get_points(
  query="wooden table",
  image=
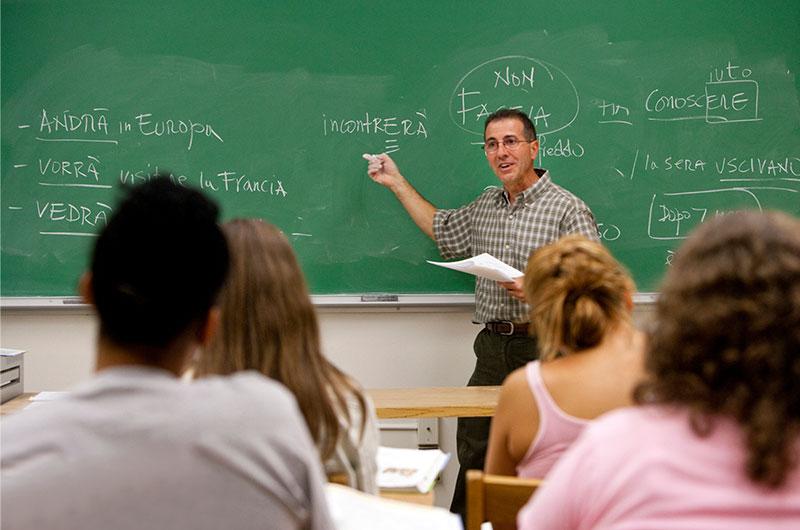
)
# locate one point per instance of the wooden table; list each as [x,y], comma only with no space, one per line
[435,402]
[427,402]
[15,404]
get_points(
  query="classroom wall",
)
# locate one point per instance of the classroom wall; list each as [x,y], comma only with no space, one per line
[382,348]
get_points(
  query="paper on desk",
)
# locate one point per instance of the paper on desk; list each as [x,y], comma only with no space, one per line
[49,396]
[353,510]
[484,265]
[412,469]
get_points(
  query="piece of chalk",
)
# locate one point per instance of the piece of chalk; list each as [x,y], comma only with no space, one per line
[367,156]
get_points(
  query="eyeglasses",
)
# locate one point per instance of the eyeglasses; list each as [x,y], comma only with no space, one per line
[509,142]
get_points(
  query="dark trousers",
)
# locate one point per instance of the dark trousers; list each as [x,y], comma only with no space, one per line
[496,357]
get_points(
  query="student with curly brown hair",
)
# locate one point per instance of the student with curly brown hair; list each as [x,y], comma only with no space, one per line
[268,324]
[714,442]
[591,357]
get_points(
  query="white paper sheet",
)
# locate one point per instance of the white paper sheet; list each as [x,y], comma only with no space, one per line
[484,265]
[401,468]
[49,396]
[353,510]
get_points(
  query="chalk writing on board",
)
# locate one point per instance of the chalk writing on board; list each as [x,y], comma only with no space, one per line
[227,180]
[145,125]
[632,172]
[60,213]
[94,126]
[67,121]
[608,231]
[561,148]
[729,96]
[90,215]
[737,169]
[539,89]
[613,113]
[389,127]
[673,215]
[79,169]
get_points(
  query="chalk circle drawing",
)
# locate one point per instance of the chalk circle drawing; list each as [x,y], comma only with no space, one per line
[537,88]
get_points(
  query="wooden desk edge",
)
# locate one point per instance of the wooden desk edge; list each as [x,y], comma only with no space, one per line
[435,402]
[426,499]
[16,403]
[405,406]
[388,413]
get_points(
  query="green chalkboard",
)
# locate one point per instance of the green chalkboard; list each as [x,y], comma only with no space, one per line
[657,114]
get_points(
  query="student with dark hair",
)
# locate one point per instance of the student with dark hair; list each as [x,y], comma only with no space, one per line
[714,442]
[526,211]
[269,324]
[135,447]
[590,357]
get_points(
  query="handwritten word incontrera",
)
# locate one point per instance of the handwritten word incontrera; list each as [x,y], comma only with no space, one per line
[386,125]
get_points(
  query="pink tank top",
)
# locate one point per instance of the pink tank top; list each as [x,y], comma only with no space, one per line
[557,429]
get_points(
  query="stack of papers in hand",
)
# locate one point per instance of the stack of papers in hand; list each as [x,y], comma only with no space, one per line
[409,469]
[484,265]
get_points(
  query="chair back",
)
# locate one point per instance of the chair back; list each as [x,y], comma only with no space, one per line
[338,478]
[497,499]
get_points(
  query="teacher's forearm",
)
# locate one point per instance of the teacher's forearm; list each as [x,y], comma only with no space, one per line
[419,209]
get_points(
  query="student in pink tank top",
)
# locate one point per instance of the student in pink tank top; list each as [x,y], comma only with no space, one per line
[715,442]
[591,357]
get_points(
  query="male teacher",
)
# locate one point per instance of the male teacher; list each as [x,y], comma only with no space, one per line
[529,211]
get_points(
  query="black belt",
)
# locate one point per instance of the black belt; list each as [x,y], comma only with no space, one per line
[504,327]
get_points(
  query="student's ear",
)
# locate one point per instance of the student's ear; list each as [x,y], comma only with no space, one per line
[85,288]
[208,328]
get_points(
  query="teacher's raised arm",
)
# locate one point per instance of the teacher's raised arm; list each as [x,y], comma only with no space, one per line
[526,211]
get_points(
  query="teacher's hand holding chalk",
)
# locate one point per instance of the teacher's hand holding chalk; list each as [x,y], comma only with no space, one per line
[383,170]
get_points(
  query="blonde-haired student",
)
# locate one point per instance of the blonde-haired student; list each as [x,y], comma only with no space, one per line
[590,361]
[269,324]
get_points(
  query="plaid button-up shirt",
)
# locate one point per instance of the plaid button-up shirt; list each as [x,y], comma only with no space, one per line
[540,215]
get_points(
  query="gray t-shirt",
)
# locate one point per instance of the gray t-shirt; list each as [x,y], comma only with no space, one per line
[137,448]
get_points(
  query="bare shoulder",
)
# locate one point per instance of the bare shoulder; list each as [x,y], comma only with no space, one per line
[515,394]
[515,383]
